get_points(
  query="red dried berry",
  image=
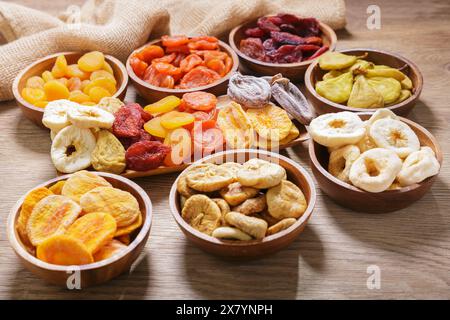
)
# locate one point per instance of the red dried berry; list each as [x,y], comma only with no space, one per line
[287,18]
[127,122]
[287,54]
[267,25]
[143,136]
[254,32]
[253,48]
[308,27]
[286,38]
[269,45]
[314,40]
[288,28]
[146,155]
[144,115]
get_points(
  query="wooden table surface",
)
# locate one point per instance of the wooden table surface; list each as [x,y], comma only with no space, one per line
[330,259]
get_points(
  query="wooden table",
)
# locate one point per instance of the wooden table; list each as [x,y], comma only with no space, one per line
[330,259]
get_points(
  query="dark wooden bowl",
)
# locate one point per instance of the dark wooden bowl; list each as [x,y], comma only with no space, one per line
[93,273]
[293,71]
[359,200]
[153,93]
[323,105]
[35,113]
[253,248]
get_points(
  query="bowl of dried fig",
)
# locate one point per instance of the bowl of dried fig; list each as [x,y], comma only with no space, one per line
[282,43]
[243,203]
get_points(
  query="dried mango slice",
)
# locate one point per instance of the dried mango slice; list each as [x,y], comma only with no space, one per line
[30,201]
[57,187]
[118,203]
[270,122]
[94,230]
[109,250]
[51,216]
[80,183]
[236,126]
[125,239]
[130,228]
[63,250]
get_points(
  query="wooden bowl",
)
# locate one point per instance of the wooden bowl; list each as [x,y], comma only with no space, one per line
[293,71]
[323,105]
[35,113]
[359,200]
[153,93]
[253,248]
[93,273]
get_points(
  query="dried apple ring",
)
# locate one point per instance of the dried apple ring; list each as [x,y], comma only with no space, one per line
[63,250]
[341,161]
[94,230]
[51,216]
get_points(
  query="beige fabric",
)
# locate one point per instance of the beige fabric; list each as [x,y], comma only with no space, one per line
[117,27]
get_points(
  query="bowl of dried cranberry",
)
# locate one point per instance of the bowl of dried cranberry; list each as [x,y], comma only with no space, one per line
[175,65]
[282,43]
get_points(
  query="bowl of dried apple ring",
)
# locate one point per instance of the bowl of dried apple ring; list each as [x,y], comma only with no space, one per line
[80,229]
[360,80]
[373,162]
[243,203]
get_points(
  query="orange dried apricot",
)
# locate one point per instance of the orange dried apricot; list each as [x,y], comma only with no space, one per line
[176,119]
[60,67]
[102,74]
[57,187]
[190,62]
[74,83]
[79,97]
[107,67]
[33,95]
[197,77]
[35,82]
[47,76]
[130,228]
[91,61]
[105,83]
[98,93]
[30,201]
[51,216]
[166,68]
[94,230]
[166,104]
[41,104]
[148,53]
[199,100]
[218,66]
[63,250]
[55,90]
[109,250]
[81,182]
[174,41]
[139,67]
[74,71]
[155,128]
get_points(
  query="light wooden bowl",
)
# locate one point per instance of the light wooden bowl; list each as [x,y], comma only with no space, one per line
[35,113]
[292,71]
[153,93]
[253,248]
[93,273]
[359,200]
[323,105]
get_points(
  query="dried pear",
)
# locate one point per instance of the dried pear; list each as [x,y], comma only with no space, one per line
[406,83]
[336,89]
[118,203]
[360,66]
[335,60]
[109,153]
[385,73]
[202,213]
[389,88]
[231,233]
[332,74]
[81,182]
[404,94]
[364,96]
[94,230]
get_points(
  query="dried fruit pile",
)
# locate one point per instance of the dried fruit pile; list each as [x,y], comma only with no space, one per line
[359,83]
[86,82]
[382,153]
[239,201]
[284,38]
[182,62]
[78,221]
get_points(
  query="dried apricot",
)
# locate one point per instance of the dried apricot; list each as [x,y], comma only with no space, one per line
[55,90]
[130,228]
[74,83]
[31,199]
[148,53]
[35,82]
[47,76]
[101,74]
[146,155]
[41,104]
[63,250]
[138,66]
[218,66]
[57,187]
[110,249]
[125,239]
[176,119]
[94,230]
[98,93]
[74,71]
[166,104]
[33,95]
[200,100]
[155,128]
[190,62]
[107,67]
[166,68]
[202,45]
[168,58]
[174,41]
[60,68]
[197,77]
[51,216]
[81,182]
[91,61]
[181,147]
[79,97]
[118,203]
[103,82]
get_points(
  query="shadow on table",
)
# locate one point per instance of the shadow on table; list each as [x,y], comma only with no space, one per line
[31,136]
[272,277]
[132,285]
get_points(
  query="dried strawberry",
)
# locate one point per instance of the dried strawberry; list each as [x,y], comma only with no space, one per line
[287,18]
[127,122]
[310,48]
[286,38]
[146,155]
[314,40]
[269,45]
[254,32]
[288,28]
[267,25]
[286,54]
[143,136]
[253,48]
[308,27]
[144,115]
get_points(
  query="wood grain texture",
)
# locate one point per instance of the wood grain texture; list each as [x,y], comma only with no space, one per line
[330,258]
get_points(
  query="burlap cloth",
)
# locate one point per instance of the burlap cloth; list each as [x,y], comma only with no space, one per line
[117,27]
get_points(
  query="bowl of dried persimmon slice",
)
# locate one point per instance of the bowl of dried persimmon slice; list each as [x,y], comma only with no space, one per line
[243,203]
[81,229]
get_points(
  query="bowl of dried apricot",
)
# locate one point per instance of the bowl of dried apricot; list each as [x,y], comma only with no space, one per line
[80,229]
[243,203]
[80,77]
[282,43]
[174,65]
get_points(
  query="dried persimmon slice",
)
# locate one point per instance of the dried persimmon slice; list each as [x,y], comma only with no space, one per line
[128,229]
[57,187]
[109,250]
[94,230]
[64,250]
[51,216]
[81,182]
